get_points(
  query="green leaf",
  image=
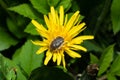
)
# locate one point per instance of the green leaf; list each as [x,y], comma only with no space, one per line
[16,27]
[115,15]
[117,73]
[70,15]
[51,73]
[6,40]
[31,29]
[41,6]
[92,46]
[27,58]
[111,77]
[93,59]
[65,3]
[106,59]
[10,70]
[75,6]
[24,9]
[115,67]
[53,2]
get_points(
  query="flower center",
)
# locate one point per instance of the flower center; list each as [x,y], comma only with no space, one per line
[56,43]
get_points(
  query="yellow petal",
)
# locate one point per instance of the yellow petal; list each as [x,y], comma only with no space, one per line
[53,14]
[77,20]
[66,18]
[72,54]
[38,26]
[71,21]
[57,18]
[86,37]
[80,39]
[58,58]
[78,47]
[54,57]
[43,33]
[74,41]
[52,26]
[48,57]
[75,30]
[61,15]
[42,49]
[40,43]
[50,19]
[47,21]
[63,60]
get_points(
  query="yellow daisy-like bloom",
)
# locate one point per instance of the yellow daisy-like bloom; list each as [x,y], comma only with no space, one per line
[60,36]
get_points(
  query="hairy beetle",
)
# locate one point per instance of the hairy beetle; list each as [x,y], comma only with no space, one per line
[56,43]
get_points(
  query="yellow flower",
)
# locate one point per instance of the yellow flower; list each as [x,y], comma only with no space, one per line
[60,36]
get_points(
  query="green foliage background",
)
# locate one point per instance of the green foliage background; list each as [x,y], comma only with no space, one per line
[18,60]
